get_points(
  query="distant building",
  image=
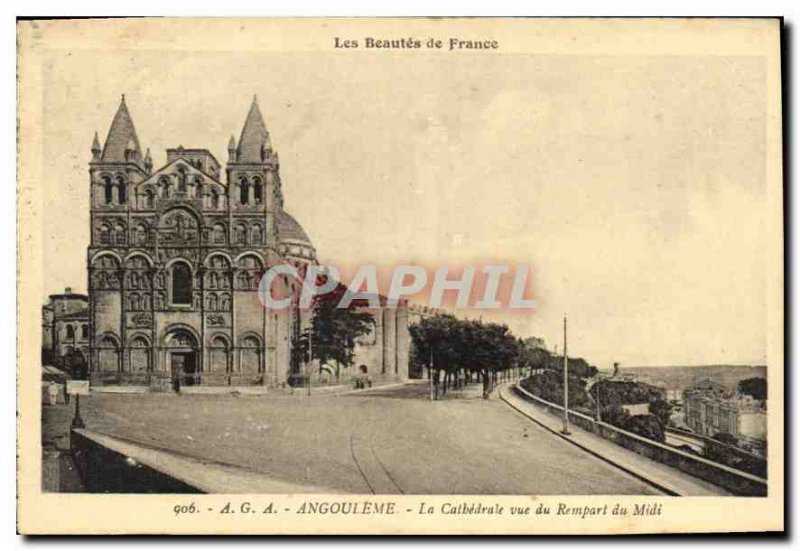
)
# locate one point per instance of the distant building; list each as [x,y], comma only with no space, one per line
[668,394]
[711,409]
[674,394]
[709,415]
[65,330]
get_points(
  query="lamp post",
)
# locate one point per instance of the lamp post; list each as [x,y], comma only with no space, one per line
[565,429]
[77,422]
[77,388]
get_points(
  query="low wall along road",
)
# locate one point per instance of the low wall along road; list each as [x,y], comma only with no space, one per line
[738,482]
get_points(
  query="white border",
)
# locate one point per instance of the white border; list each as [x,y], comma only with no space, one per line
[11,9]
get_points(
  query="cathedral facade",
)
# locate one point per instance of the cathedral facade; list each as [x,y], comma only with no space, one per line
[175,261]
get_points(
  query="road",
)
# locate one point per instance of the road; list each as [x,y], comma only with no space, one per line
[382,441]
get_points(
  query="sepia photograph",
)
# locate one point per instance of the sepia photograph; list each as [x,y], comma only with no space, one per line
[400,276]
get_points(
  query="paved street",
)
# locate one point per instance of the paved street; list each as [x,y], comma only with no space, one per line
[390,440]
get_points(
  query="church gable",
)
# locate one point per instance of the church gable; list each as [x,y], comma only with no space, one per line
[180,171]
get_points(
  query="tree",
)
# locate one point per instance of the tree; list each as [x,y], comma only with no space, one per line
[489,348]
[334,330]
[301,351]
[755,387]
[726,438]
[434,346]
[533,358]
[661,409]
[646,426]
[613,414]
[456,347]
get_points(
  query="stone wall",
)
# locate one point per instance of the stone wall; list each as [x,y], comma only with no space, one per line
[738,482]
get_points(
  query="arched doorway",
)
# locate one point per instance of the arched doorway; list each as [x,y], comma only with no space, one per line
[182,356]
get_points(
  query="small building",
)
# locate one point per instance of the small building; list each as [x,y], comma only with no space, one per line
[65,330]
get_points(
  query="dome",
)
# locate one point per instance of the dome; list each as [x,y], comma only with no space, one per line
[290,229]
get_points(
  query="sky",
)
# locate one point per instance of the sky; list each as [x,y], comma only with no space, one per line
[634,186]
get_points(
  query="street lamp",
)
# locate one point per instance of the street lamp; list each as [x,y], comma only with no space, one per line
[565,429]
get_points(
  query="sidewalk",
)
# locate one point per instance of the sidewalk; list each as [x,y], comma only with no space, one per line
[666,479]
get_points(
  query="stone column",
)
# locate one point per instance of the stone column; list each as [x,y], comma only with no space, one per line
[403,342]
[389,341]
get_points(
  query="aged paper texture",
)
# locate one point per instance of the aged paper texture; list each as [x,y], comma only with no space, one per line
[342,276]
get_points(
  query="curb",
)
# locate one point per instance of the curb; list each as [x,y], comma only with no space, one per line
[378,387]
[657,485]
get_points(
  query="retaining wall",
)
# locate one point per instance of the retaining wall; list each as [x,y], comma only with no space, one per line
[736,481]
[104,470]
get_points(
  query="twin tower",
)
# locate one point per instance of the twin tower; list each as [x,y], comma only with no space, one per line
[175,261]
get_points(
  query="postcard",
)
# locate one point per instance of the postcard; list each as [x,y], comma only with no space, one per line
[400,276]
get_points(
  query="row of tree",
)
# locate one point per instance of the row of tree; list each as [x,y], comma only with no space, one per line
[457,351]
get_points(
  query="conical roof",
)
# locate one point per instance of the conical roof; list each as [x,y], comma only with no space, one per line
[121,135]
[254,137]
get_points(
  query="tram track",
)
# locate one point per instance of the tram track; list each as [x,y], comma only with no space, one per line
[374,472]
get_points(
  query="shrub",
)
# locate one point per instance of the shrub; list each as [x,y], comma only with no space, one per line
[647,426]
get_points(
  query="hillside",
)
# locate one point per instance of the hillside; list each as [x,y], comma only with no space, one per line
[685,376]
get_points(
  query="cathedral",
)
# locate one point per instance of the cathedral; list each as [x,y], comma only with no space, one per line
[175,261]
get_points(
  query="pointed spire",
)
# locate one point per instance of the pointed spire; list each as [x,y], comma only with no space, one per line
[232,150]
[255,138]
[96,148]
[121,137]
